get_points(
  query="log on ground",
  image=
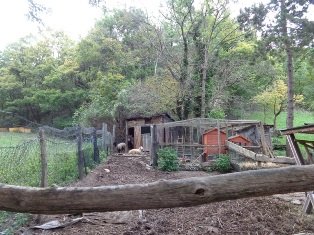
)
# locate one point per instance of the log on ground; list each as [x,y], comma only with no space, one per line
[160,194]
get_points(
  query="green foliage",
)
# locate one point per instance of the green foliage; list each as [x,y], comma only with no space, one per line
[217,114]
[128,66]
[11,222]
[222,164]
[167,159]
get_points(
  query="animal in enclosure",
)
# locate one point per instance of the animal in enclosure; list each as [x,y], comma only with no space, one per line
[120,147]
[139,151]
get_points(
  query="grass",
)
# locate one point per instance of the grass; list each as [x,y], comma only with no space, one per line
[300,118]
[8,139]
[10,222]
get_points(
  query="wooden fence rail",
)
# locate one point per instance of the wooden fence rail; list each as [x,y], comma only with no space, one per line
[258,157]
[161,194]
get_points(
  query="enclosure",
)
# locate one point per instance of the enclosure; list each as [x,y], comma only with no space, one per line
[191,138]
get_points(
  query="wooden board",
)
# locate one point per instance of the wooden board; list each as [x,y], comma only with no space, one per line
[258,157]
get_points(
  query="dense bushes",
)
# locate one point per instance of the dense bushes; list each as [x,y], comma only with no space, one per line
[167,159]
[223,164]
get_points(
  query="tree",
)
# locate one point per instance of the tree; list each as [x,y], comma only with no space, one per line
[288,28]
[175,49]
[275,99]
[40,74]
[214,31]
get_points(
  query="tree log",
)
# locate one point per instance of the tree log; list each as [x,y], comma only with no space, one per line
[160,194]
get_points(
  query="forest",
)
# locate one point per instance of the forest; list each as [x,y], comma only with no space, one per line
[196,60]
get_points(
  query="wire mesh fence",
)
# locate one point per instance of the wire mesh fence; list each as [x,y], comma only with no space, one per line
[21,164]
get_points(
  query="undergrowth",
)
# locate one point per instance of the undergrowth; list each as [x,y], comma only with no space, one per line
[167,159]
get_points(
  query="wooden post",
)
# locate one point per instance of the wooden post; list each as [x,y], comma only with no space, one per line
[153,151]
[219,142]
[113,139]
[263,140]
[295,150]
[43,154]
[96,150]
[80,152]
[166,135]
[126,137]
[191,142]
[104,138]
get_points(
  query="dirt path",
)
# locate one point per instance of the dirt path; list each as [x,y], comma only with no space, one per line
[263,215]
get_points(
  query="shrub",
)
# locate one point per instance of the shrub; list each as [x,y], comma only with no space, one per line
[167,159]
[222,164]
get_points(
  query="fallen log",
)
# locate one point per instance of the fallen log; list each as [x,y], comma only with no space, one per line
[160,194]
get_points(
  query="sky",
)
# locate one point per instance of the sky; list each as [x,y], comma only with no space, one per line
[74,17]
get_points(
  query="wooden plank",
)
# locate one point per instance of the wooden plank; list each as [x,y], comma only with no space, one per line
[258,157]
[137,137]
[309,129]
[104,138]
[295,150]
[113,139]
[263,140]
[308,204]
[154,146]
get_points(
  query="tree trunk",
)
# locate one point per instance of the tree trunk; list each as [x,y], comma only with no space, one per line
[290,104]
[204,75]
[161,194]
[290,101]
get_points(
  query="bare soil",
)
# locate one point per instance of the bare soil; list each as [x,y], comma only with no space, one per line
[278,214]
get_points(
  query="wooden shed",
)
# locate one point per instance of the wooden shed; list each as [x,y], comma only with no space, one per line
[138,129]
[239,140]
[214,142]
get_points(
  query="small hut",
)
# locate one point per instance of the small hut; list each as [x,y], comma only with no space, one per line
[138,129]
[239,140]
[214,142]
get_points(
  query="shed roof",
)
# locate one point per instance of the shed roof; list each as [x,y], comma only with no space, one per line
[214,129]
[208,122]
[238,136]
[166,115]
[307,129]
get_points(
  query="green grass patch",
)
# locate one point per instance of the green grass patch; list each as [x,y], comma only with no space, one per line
[13,139]
[300,118]
[10,222]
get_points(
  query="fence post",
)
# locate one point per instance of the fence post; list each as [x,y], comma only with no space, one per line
[43,154]
[104,138]
[153,152]
[80,152]
[113,138]
[96,150]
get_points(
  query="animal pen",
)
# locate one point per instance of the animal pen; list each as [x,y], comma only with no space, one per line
[295,142]
[200,139]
